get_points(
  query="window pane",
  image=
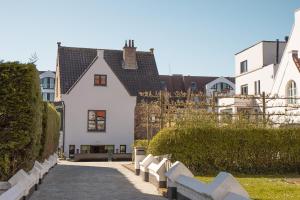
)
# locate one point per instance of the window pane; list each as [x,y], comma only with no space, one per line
[101,125]
[122,148]
[103,80]
[92,115]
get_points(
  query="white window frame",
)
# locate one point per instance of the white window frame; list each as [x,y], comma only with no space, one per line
[242,89]
[291,92]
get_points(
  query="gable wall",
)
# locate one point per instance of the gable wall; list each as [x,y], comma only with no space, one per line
[113,98]
[287,69]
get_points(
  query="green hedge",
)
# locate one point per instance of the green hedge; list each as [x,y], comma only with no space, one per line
[20,117]
[141,143]
[243,150]
[50,133]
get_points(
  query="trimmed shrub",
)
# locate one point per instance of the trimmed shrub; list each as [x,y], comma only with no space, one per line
[141,143]
[20,117]
[243,150]
[50,133]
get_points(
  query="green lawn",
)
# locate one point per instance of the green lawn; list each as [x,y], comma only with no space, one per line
[266,187]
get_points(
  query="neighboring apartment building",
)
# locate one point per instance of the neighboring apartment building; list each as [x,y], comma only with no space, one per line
[99,89]
[205,85]
[256,67]
[47,79]
[255,71]
[272,67]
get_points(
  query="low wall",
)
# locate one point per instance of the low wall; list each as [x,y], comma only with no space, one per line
[22,184]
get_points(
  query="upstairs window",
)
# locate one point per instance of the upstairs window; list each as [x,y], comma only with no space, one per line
[221,87]
[291,91]
[48,83]
[244,66]
[97,120]
[244,89]
[100,80]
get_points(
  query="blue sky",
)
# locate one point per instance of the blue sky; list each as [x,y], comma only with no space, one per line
[196,37]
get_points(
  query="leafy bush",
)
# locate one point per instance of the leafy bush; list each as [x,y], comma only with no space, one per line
[20,117]
[141,143]
[244,150]
[50,133]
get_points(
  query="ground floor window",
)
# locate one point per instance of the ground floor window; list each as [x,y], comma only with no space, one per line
[84,149]
[122,148]
[97,148]
[291,92]
[244,89]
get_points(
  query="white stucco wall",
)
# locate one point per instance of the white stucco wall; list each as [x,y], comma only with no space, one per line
[254,57]
[287,69]
[113,98]
[259,55]
[264,74]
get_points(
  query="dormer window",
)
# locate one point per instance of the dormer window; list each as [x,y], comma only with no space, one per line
[100,80]
[193,86]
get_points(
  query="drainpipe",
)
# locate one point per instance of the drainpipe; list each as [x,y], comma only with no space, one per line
[277,51]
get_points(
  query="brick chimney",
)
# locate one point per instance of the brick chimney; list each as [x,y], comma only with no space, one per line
[129,55]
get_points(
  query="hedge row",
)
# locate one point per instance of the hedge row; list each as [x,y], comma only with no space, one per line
[50,133]
[250,151]
[21,117]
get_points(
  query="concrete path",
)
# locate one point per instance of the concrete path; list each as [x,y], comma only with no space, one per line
[94,181]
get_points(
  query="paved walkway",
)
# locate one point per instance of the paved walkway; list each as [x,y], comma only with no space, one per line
[94,181]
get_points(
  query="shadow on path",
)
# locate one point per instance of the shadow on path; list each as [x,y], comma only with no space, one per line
[71,182]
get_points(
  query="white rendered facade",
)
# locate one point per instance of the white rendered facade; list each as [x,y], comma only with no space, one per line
[261,67]
[113,98]
[288,76]
[279,80]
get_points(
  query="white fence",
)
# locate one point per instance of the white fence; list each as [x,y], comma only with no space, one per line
[22,184]
[182,185]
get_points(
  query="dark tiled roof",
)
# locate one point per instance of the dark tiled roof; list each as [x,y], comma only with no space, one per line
[145,78]
[74,61]
[183,83]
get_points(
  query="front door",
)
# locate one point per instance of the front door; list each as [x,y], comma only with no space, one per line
[98,149]
[71,151]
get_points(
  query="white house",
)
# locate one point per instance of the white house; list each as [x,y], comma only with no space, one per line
[287,80]
[256,67]
[273,68]
[47,79]
[99,88]
[255,70]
